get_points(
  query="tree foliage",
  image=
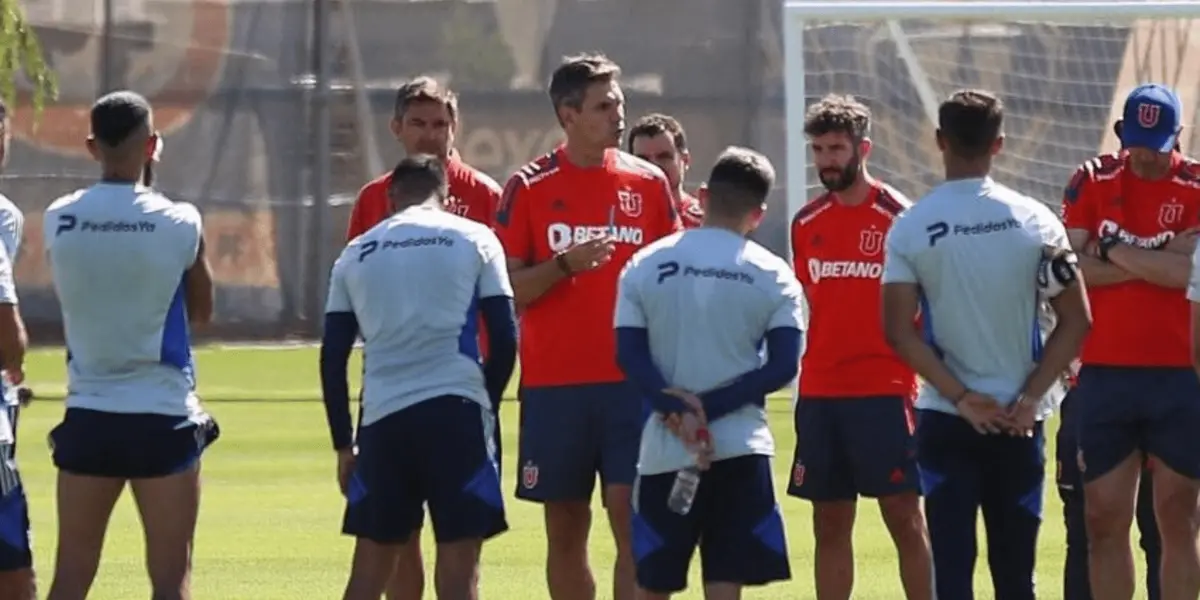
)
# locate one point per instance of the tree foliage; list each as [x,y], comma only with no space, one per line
[21,53]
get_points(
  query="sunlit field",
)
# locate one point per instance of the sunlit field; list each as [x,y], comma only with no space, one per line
[269,527]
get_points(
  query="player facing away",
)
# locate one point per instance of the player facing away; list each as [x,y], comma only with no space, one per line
[1133,215]
[16,551]
[968,258]
[425,121]
[12,228]
[413,286]
[569,221]
[661,140]
[854,422]
[1076,584]
[131,276]
[692,314]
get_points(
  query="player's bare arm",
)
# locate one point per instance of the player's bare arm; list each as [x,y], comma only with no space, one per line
[1098,272]
[1074,320]
[1167,269]
[198,288]
[13,340]
[901,306]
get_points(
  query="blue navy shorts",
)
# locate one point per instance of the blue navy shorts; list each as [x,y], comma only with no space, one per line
[437,452]
[734,520]
[847,447]
[570,433]
[16,546]
[1122,410]
[129,445]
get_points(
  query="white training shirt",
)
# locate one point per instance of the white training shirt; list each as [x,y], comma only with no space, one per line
[118,253]
[974,247]
[8,295]
[414,283]
[707,297]
[1193,289]
[12,227]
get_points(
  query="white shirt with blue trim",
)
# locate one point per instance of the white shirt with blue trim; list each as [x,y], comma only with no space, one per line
[118,254]
[974,248]
[414,283]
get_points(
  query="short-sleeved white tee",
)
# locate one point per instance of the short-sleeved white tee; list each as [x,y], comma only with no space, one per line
[414,283]
[974,247]
[707,297]
[119,253]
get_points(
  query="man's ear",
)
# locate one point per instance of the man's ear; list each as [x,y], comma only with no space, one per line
[394,125]
[92,149]
[685,158]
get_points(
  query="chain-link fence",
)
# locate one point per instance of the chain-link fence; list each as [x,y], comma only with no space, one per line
[234,84]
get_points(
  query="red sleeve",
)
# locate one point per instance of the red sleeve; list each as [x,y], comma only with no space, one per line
[1079,204]
[670,221]
[357,224]
[489,193]
[512,220]
[799,256]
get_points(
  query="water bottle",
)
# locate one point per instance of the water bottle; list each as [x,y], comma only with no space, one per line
[687,480]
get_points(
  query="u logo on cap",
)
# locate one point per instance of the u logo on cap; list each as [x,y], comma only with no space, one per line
[1148,114]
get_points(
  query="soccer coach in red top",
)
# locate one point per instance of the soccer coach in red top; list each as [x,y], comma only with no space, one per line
[569,221]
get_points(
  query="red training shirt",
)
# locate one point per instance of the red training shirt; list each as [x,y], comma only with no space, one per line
[473,195]
[691,214]
[549,205]
[838,254]
[1136,323]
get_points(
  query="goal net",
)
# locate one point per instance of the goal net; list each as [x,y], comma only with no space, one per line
[1063,74]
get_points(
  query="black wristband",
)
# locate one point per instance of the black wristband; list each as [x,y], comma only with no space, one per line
[561,260]
[1105,244]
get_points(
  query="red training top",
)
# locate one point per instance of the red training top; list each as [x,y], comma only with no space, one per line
[473,195]
[549,205]
[690,211]
[838,254]
[1136,323]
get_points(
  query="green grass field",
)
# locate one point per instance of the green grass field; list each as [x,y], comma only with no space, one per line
[271,513]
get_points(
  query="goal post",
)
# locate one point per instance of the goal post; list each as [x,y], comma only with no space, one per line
[1062,67]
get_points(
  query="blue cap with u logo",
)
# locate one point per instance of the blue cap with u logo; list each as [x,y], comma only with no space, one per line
[1152,118]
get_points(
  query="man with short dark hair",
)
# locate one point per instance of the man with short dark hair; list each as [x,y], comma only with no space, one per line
[569,220]
[131,276]
[660,139]
[977,261]
[854,422]
[1133,215]
[679,298]
[425,120]
[410,285]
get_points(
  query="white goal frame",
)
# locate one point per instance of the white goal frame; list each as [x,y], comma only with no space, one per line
[797,13]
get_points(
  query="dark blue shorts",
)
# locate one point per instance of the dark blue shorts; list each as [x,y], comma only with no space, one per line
[847,447]
[570,433]
[437,452]
[1122,410]
[734,520]
[129,445]
[16,545]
